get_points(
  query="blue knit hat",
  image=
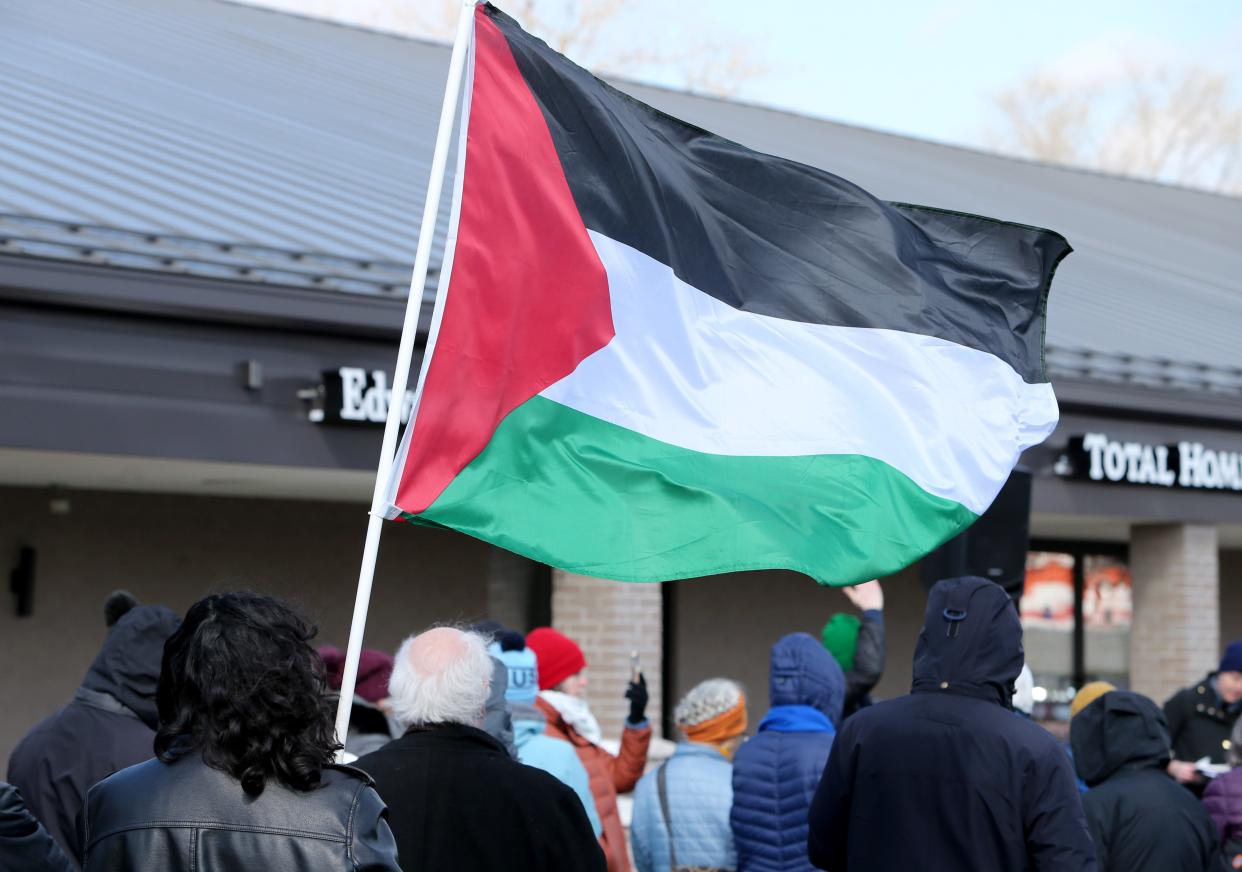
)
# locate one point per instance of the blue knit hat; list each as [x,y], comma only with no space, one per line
[510,649]
[1232,661]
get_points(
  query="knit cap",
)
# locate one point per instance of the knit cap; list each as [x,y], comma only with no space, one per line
[713,712]
[510,649]
[559,656]
[1232,661]
[374,670]
[1091,691]
[840,637]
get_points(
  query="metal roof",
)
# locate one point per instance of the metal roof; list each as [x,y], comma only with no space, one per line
[210,138]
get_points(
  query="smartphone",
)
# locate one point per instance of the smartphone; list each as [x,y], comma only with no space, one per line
[636,671]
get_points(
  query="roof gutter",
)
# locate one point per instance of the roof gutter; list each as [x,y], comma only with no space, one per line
[51,282]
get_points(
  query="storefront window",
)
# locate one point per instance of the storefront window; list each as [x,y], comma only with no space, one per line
[1076,609]
[1106,611]
[1048,630]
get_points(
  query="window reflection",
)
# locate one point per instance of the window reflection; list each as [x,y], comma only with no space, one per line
[1047,611]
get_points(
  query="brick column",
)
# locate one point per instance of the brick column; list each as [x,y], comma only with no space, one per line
[1175,636]
[609,619]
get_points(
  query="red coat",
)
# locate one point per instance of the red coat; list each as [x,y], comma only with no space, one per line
[608,775]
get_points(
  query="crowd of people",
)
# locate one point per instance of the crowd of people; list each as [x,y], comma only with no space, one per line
[208,742]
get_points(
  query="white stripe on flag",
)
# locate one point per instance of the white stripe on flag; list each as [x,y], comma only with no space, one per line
[687,369]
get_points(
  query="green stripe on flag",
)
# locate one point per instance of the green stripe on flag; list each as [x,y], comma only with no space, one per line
[587,496]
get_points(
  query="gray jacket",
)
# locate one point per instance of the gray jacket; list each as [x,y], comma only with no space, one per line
[187,816]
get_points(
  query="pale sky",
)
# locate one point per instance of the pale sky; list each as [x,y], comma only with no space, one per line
[927,69]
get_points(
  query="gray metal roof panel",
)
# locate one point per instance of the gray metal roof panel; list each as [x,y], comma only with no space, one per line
[285,137]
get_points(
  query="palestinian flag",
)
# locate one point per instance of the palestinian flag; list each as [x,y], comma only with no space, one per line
[660,354]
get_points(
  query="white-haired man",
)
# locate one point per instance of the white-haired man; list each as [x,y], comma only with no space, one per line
[456,799]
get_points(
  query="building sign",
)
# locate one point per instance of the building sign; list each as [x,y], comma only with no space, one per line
[1095,457]
[353,395]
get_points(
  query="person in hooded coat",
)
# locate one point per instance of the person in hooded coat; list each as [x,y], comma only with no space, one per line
[1140,818]
[775,773]
[947,777]
[109,725]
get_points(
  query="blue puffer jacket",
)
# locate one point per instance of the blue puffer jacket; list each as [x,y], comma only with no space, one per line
[775,773]
[700,791]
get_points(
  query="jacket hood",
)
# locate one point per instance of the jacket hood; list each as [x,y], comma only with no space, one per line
[803,673]
[971,642]
[496,720]
[1119,731]
[128,665]
[525,730]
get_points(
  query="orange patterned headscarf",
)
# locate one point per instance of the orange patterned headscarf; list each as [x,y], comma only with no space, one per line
[721,728]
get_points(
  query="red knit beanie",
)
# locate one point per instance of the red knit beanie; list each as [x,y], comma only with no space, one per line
[559,656]
[374,669]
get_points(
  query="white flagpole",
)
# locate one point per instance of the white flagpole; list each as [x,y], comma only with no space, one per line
[405,354]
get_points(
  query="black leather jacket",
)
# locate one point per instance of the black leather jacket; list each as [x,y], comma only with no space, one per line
[188,816]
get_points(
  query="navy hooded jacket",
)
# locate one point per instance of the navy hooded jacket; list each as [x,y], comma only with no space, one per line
[109,725]
[1140,817]
[947,777]
[775,773]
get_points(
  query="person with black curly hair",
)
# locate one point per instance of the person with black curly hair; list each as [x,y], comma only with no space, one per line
[243,776]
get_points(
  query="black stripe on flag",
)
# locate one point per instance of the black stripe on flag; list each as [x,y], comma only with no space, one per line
[778,238]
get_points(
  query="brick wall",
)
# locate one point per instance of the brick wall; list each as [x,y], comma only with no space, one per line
[609,619]
[1175,637]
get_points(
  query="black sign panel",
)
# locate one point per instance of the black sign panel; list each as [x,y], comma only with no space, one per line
[1186,465]
[353,395]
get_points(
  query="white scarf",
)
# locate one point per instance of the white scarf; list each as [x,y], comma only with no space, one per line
[576,713]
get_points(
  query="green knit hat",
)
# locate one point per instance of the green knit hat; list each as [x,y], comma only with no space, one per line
[840,636]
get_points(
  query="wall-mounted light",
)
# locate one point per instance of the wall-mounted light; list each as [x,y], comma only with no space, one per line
[21,582]
[59,503]
[252,375]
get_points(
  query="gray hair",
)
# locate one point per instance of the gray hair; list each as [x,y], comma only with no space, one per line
[448,690]
[707,700]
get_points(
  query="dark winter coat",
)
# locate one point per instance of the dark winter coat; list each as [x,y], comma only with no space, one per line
[947,777]
[868,663]
[1199,724]
[775,773]
[457,800]
[1140,818]
[1223,801]
[110,724]
[24,845]
[188,817]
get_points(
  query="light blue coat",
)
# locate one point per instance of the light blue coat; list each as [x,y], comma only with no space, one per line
[700,792]
[556,757]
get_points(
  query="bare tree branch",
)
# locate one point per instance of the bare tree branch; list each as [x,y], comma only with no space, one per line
[1152,121]
[610,37]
